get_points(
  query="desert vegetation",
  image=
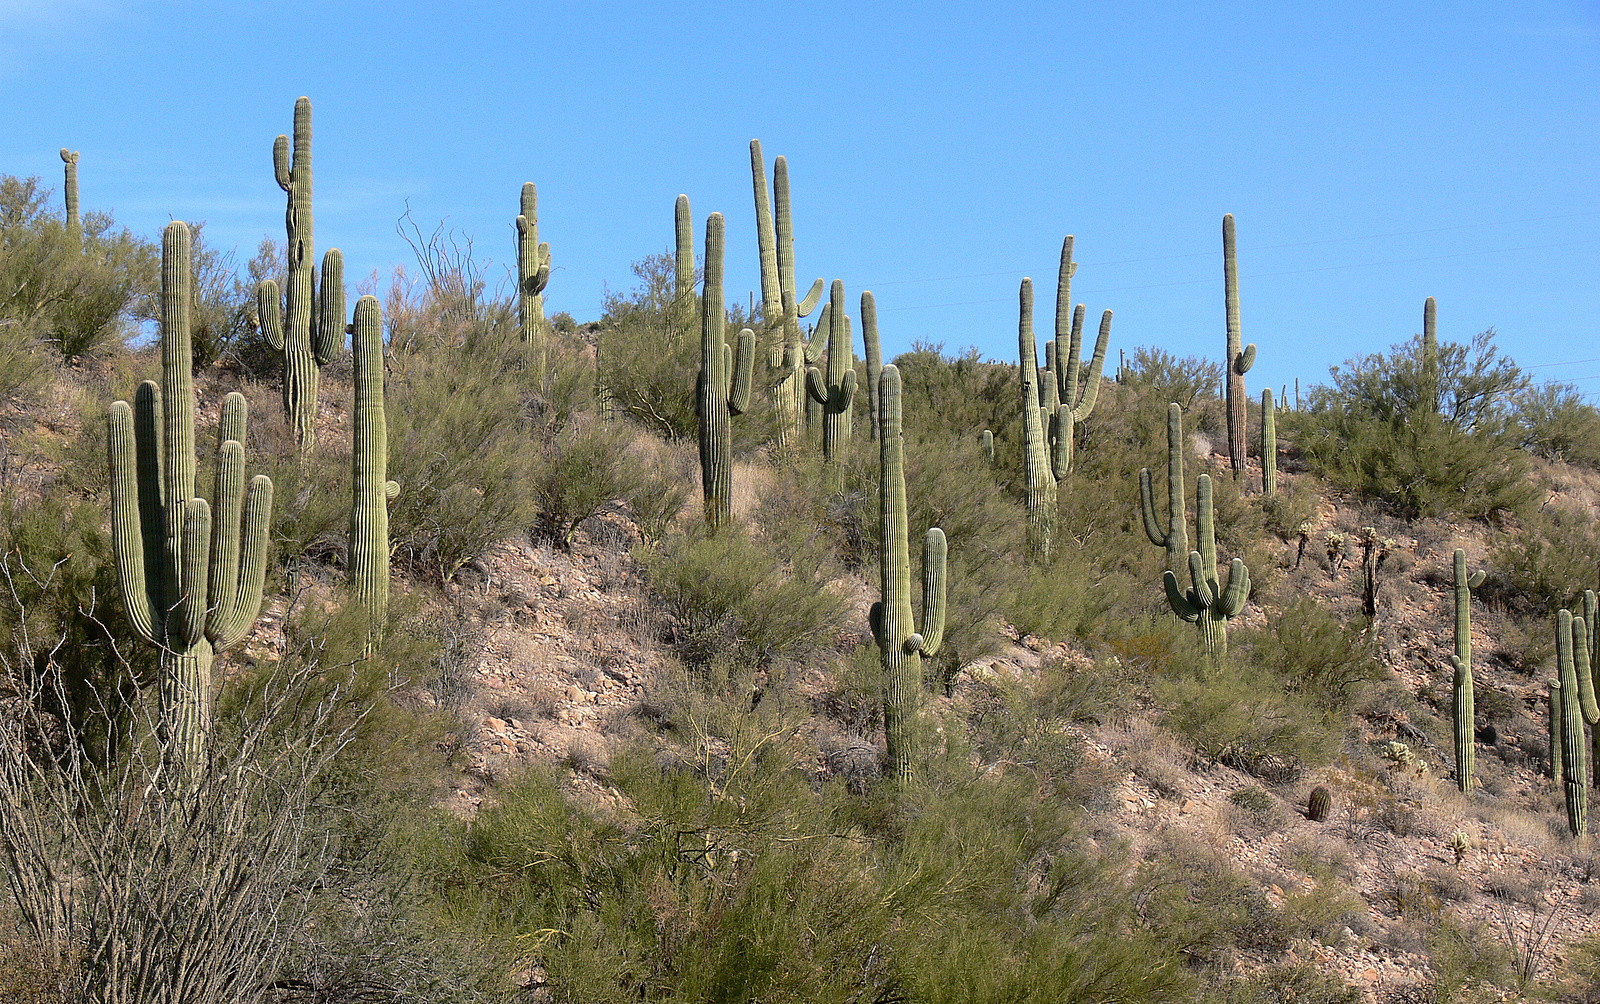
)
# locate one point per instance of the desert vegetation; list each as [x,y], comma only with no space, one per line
[433,649]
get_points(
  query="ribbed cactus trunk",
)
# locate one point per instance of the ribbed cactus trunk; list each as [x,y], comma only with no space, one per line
[1077,384]
[1461,661]
[1553,722]
[533,275]
[191,583]
[1430,355]
[788,352]
[1209,603]
[835,394]
[874,354]
[1172,535]
[69,161]
[723,388]
[1039,479]
[683,259]
[1238,360]
[900,644]
[1574,767]
[1269,444]
[371,489]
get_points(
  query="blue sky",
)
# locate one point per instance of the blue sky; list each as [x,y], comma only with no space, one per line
[1373,154]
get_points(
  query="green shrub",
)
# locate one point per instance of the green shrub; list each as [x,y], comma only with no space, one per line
[1554,421]
[1312,652]
[584,470]
[1548,560]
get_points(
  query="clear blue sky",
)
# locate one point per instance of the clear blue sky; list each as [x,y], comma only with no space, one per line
[1373,153]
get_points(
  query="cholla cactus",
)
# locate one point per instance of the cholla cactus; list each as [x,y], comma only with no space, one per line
[1460,843]
[1337,556]
[1374,551]
[1399,755]
[1303,537]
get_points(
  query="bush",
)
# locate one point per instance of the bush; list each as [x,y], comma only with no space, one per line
[1161,376]
[583,471]
[1547,561]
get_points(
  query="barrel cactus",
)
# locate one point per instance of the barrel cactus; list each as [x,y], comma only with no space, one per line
[1320,804]
[190,570]
[901,644]
[723,388]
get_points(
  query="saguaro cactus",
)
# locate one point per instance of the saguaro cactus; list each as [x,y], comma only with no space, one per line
[781,305]
[1037,470]
[986,446]
[901,645]
[874,351]
[1269,444]
[723,388]
[1553,721]
[1238,361]
[1073,403]
[1574,766]
[1430,355]
[835,393]
[683,231]
[191,583]
[1175,538]
[1461,661]
[306,340]
[69,161]
[371,491]
[1209,603]
[533,275]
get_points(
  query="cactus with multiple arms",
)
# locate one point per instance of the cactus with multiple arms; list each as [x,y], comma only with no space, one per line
[1269,444]
[1175,538]
[1209,603]
[1461,661]
[371,491]
[307,338]
[69,161]
[1073,403]
[723,388]
[1238,360]
[835,393]
[533,275]
[191,575]
[900,644]
[781,305]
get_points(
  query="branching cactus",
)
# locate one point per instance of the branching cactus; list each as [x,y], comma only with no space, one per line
[900,643]
[1174,537]
[1077,386]
[1269,444]
[1037,470]
[69,161]
[191,571]
[723,388]
[781,305]
[533,275]
[874,350]
[1574,765]
[371,490]
[308,325]
[1209,603]
[835,393]
[1461,661]
[1238,360]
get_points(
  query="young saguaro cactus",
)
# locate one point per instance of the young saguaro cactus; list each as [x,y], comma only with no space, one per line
[1574,766]
[191,571]
[1209,603]
[533,275]
[1430,355]
[1461,661]
[307,337]
[1238,360]
[781,305]
[874,350]
[1040,483]
[901,645]
[683,259]
[371,490]
[835,393]
[723,388]
[1174,537]
[1269,444]
[69,161]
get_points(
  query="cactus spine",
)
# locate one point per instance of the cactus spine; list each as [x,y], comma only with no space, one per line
[1209,603]
[723,388]
[306,341]
[1175,538]
[1238,361]
[69,161]
[1461,661]
[191,583]
[874,350]
[781,306]
[1269,444]
[371,489]
[900,644]
[835,394]
[533,275]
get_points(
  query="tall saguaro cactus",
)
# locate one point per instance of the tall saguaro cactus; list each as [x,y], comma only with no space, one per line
[1269,444]
[1209,603]
[1430,355]
[533,275]
[1461,661]
[370,488]
[1174,537]
[1037,471]
[874,353]
[901,645]
[310,328]
[1238,360]
[723,388]
[683,259]
[1074,402]
[69,161]
[1570,636]
[191,571]
[835,393]
[781,305]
